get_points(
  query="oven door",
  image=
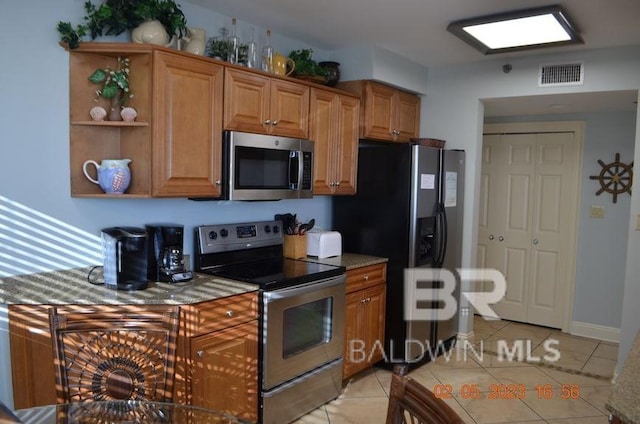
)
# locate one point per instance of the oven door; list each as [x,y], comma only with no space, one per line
[303,329]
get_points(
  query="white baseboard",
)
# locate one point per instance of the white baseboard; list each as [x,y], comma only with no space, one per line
[594,331]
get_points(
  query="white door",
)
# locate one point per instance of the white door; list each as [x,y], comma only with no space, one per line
[528,205]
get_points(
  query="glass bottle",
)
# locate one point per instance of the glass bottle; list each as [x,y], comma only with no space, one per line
[267,54]
[252,51]
[234,43]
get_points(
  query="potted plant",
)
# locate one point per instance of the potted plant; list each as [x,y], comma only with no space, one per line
[115,86]
[113,17]
[219,48]
[306,67]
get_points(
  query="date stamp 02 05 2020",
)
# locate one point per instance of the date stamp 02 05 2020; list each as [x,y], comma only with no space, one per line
[506,391]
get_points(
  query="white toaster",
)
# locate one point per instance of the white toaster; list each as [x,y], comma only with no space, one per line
[324,244]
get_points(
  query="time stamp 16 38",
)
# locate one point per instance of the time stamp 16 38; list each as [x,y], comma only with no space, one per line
[507,391]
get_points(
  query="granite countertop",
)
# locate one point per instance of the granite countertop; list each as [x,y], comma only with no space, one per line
[348,260]
[623,401]
[71,287]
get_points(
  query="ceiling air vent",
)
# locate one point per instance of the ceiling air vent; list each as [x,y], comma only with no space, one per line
[564,74]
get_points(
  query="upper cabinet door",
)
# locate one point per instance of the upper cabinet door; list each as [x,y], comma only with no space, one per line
[289,113]
[348,116]
[322,131]
[246,101]
[187,130]
[259,104]
[379,112]
[407,119]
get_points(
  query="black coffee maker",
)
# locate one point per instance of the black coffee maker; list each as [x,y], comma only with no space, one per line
[124,251]
[166,253]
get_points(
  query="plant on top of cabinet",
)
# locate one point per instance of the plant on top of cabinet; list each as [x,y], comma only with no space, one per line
[307,68]
[113,17]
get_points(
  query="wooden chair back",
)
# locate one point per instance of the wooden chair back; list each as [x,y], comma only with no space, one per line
[110,352]
[411,402]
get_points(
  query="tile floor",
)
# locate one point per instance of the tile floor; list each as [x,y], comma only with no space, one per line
[585,365]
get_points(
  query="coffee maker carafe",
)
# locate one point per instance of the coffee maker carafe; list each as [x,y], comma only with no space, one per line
[166,254]
[124,252]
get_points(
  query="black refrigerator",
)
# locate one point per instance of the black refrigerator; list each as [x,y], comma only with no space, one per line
[408,208]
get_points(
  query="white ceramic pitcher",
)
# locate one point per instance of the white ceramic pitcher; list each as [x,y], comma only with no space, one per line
[114,175]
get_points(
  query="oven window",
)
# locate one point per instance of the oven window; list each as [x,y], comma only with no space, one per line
[306,326]
[261,168]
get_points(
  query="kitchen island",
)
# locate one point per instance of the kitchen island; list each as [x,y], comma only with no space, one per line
[218,321]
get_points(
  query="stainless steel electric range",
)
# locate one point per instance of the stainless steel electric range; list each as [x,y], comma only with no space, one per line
[301,314]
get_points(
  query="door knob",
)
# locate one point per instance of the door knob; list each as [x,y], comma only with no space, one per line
[535,241]
[491,237]
[501,238]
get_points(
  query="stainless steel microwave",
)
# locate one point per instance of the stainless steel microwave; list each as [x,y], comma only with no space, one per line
[264,167]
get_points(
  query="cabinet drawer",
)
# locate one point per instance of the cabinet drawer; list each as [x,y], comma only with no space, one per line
[203,318]
[366,276]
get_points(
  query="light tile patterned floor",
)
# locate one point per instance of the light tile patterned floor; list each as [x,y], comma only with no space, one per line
[585,366]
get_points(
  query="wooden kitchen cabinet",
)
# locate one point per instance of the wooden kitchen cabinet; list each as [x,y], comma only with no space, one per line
[387,114]
[261,104]
[216,355]
[333,126]
[225,371]
[187,126]
[219,338]
[174,143]
[364,318]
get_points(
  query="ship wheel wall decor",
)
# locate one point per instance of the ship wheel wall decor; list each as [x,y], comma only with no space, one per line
[615,178]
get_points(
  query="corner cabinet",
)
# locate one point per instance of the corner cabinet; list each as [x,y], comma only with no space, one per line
[388,114]
[364,318]
[334,129]
[261,104]
[174,144]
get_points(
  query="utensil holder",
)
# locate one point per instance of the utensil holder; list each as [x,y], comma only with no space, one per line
[295,246]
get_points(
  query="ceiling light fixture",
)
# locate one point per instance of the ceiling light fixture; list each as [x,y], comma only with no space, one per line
[519,30]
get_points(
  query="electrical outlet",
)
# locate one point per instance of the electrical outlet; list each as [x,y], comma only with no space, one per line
[638,223]
[596,212]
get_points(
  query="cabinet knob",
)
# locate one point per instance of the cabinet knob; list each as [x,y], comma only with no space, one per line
[366,278]
[200,353]
[535,241]
[501,238]
[218,182]
[337,184]
[229,313]
[491,237]
[267,122]
[274,123]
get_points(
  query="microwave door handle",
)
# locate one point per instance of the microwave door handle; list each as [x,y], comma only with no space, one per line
[295,169]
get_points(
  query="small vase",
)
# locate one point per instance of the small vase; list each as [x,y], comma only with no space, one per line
[333,72]
[150,32]
[114,110]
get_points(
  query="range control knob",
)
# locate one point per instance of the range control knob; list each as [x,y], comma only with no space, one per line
[267,229]
[224,232]
[213,235]
[276,229]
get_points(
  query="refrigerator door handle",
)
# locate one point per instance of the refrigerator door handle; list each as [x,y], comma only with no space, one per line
[441,231]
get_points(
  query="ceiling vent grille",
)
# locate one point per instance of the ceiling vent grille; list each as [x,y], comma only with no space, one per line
[564,74]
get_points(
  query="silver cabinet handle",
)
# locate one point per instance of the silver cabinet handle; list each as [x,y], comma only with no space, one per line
[274,123]
[366,278]
[218,182]
[535,241]
[337,184]
[229,313]
[200,353]
[491,237]
[501,238]
[267,122]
